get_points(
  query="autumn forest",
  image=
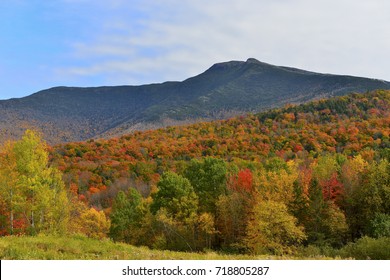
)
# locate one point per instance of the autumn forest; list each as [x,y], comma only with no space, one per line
[288,181]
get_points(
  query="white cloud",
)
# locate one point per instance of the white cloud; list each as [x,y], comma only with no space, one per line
[174,39]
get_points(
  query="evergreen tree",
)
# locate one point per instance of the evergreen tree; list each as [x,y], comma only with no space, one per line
[300,203]
[208,177]
[126,216]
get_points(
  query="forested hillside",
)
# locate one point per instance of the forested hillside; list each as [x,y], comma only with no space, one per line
[65,114]
[295,178]
[350,125]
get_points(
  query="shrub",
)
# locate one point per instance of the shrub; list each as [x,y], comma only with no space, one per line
[367,248]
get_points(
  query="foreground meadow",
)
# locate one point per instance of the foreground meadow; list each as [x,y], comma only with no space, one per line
[84,248]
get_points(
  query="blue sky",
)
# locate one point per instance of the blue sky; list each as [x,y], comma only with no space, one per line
[93,43]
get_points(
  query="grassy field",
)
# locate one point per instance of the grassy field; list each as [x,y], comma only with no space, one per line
[83,248]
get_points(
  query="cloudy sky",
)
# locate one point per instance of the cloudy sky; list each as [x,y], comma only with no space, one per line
[115,42]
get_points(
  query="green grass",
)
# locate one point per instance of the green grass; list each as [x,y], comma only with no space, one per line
[83,248]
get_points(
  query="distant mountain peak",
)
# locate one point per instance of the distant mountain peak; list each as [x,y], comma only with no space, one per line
[237,64]
[225,65]
[253,60]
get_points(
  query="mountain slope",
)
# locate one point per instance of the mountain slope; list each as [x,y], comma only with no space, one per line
[72,114]
[349,125]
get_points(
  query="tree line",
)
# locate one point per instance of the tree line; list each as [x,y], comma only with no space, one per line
[263,208]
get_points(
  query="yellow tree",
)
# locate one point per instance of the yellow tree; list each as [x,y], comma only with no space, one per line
[9,192]
[35,190]
[94,223]
[271,229]
[278,185]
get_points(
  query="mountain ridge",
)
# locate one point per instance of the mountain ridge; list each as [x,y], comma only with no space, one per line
[65,114]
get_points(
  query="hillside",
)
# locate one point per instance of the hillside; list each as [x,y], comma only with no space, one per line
[304,179]
[313,174]
[349,125]
[66,114]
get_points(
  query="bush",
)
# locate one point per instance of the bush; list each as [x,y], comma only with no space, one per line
[367,248]
[317,252]
[380,225]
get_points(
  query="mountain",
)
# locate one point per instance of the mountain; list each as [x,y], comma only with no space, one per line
[66,114]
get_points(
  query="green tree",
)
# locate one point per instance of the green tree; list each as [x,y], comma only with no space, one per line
[325,223]
[352,173]
[208,177]
[380,226]
[175,206]
[126,216]
[370,198]
[176,195]
[300,203]
[316,212]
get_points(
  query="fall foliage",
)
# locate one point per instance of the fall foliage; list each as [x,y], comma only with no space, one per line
[312,174]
